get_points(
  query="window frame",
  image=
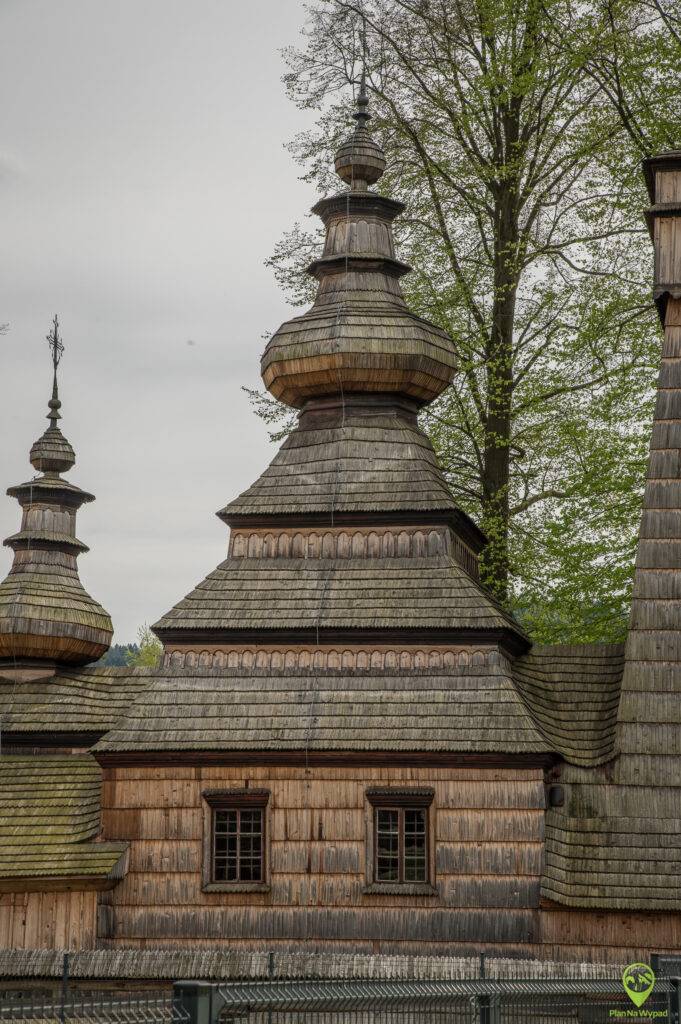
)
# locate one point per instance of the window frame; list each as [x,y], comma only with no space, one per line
[233,800]
[399,800]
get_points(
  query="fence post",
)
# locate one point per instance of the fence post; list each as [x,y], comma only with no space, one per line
[488,1010]
[675,1001]
[64,987]
[196,997]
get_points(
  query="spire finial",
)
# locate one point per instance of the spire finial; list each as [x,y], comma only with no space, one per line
[360,161]
[57,350]
[362,114]
[52,453]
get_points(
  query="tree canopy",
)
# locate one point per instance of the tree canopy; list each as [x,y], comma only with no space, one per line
[514,131]
[148,650]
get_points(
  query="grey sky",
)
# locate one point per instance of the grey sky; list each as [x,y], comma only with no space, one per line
[143,182]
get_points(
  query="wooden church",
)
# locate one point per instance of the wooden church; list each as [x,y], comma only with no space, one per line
[349,746]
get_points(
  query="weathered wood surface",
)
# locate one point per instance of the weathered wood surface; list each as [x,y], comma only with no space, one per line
[49,812]
[70,700]
[351,658]
[331,593]
[45,612]
[474,708]
[573,693]
[358,458]
[48,920]
[218,964]
[359,334]
[362,542]
[488,826]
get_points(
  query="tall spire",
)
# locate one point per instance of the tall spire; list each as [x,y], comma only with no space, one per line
[45,613]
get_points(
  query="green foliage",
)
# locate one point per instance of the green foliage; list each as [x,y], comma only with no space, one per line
[117,655]
[514,131]
[272,412]
[148,652]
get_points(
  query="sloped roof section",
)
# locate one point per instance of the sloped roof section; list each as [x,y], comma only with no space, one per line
[378,462]
[414,593]
[473,709]
[49,815]
[572,692]
[87,700]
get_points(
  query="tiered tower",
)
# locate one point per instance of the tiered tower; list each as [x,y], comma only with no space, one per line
[348,550]
[46,616]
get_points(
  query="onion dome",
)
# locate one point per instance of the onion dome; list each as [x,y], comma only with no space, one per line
[359,335]
[360,161]
[45,612]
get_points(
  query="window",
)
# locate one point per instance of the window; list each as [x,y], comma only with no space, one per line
[400,843]
[235,826]
[238,853]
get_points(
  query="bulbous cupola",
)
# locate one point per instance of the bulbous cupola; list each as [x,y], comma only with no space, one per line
[359,335]
[45,613]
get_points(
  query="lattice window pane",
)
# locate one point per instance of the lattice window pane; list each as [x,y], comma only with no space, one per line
[401,844]
[238,845]
[387,845]
[415,868]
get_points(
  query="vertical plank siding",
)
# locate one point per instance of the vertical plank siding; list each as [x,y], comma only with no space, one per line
[488,828]
[48,920]
[489,832]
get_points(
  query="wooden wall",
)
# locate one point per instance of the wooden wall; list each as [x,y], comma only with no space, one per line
[489,833]
[48,920]
[489,830]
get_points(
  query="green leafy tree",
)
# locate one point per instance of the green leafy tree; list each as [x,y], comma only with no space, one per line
[514,131]
[117,655]
[148,652]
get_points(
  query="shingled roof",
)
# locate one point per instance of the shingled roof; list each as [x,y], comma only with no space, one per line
[296,593]
[474,708]
[223,964]
[45,612]
[572,692]
[87,700]
[378,461]
[49,813]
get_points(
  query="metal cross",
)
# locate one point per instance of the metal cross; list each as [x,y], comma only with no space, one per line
[55,343]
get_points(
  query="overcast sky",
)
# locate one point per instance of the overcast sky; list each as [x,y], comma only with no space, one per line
[143,182]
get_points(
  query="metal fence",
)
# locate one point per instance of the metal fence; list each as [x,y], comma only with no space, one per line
[43,1007]
[351,1001]
[425,1002]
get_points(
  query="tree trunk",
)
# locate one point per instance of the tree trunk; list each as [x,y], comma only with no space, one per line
[497,425]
